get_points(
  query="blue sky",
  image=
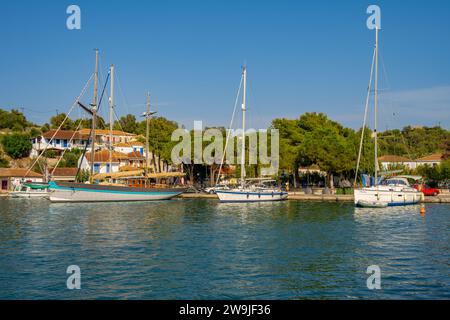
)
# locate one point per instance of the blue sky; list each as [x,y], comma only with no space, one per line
[301,56]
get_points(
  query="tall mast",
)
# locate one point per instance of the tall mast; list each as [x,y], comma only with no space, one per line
[376,105]
[111,117]
[147,133]
[244,97]
[94,114]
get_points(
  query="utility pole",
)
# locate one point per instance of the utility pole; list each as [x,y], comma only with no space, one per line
[147,116]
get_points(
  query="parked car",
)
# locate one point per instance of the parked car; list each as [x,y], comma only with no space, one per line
[212,190]
[427,190]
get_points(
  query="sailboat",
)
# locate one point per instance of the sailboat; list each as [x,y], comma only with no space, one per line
[248,190]
[81,192]
[395,191]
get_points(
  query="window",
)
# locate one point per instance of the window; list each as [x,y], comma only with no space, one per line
[96,167]
[58,141]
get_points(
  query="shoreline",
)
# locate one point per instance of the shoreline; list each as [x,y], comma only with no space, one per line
[319,198]
[293,196]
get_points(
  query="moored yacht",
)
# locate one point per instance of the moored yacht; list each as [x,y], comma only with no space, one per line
[128,190]
[248,191]
[395,191]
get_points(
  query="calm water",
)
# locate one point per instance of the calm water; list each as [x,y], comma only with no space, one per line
[201,249]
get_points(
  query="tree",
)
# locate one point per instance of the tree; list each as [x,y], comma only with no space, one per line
[13,120]
[70,158]
[160,134]
[87,123]
[127,123]
[56,121]
[17,145]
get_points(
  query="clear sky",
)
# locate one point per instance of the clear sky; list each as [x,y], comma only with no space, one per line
[301,56]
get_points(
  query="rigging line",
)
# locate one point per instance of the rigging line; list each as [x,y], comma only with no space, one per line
[70,142]
[90,132]
[365,116]
[124,100]
[60,126]
[229,128]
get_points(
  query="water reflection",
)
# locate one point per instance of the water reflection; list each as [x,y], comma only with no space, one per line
[192,249]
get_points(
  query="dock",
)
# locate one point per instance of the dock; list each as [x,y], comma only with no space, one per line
[299,196]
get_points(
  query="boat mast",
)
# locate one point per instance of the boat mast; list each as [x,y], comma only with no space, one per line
[376,105]
[244,97]
[111,116]
[147,133]
[94,115]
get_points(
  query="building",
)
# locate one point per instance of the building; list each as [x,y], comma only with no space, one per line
[63,174]
[69,139]
[389,162]
[102,136]
[431,160]
[128,147]
[63,139]
[12,177]
[119,160]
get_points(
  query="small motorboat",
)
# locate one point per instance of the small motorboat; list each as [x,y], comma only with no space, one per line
[30,190]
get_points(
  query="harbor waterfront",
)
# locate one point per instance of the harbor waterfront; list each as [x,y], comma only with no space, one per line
[204,249]
[442,198]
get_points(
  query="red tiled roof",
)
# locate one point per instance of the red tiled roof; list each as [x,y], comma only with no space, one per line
[432,158]
[129,144]
[64,134]
[135,155]
[64,172]
[18,172]
[103,156]
[391,158]
[99,132]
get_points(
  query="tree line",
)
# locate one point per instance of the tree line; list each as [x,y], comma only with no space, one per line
[311,139]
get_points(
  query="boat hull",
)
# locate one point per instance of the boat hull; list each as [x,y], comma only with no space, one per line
[390,197]
[244,196]
[29,195]
[75,192]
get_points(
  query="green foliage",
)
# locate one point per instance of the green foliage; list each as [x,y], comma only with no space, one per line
[87,123]
[160,133]
[45,128]
[17,145]
[4,163]
[83,176]
[127,123]
[56,121]
[70,158]
[436,173]
[315,139]
[50,154]
[13,120]
[413,142]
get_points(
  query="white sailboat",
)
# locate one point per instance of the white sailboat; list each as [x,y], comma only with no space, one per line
[81,192]
[395,191]
[248,191]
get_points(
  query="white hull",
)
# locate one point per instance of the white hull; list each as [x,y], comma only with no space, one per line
[391,197]
[27,195]
[240,195]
